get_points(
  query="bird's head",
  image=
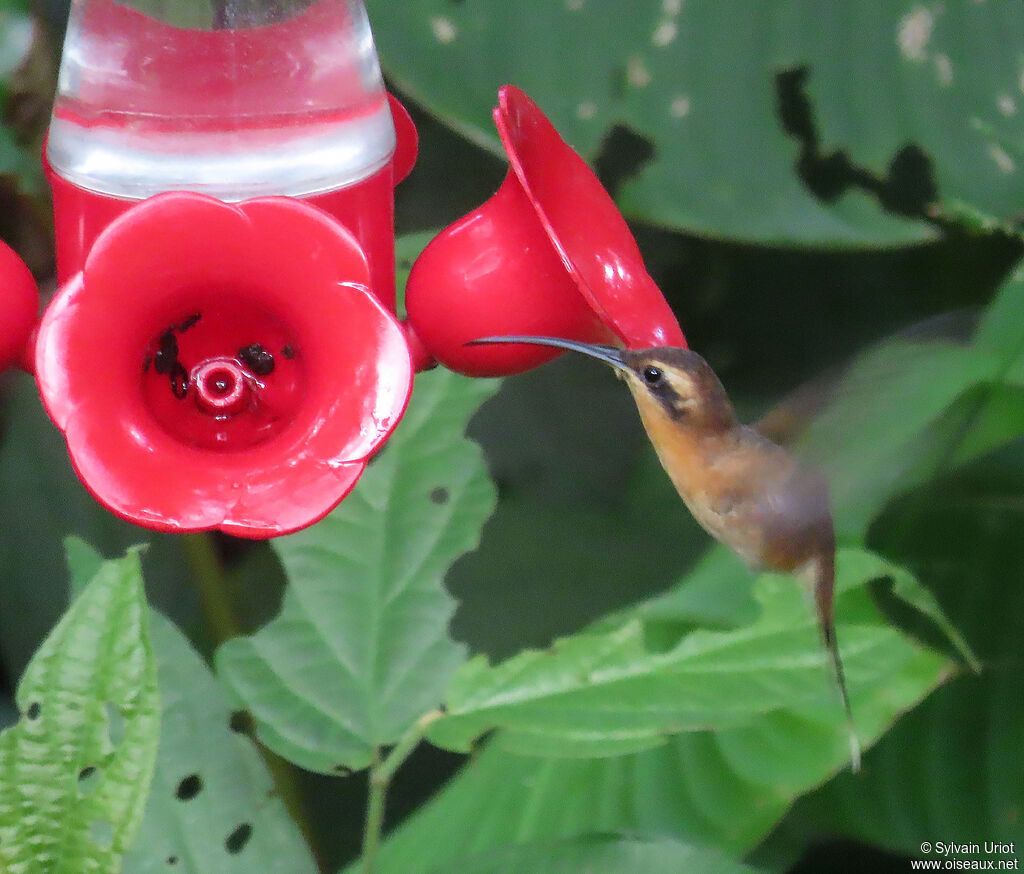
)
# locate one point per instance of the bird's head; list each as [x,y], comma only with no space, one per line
[669,384]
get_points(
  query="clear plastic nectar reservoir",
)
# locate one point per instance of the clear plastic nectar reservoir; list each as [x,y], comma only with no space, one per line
[231,98]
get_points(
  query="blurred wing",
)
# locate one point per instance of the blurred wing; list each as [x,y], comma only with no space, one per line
[787,421]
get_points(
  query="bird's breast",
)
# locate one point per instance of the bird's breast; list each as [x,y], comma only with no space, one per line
[719,485]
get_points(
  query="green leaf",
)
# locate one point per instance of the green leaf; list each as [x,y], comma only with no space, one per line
[869,439]
[1001,330]
[16,37]
[407,250]
[361,648]
[908,411]
[586,510]
[602,854]
[76,770]
[686,789]
[213,808]
[953,765]
[178,13]
[696,82]
[701,599]
[607,693]
[906,587]
[84,562]
[724,788]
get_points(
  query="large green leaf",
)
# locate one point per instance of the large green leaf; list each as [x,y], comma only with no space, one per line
[870,440]
[698,81]
[993,415]
[75,771]
[610,692]
[952,767]
[602,854]
[361,647]
[907,411]
[724,788]
[213,808]
[1001,331]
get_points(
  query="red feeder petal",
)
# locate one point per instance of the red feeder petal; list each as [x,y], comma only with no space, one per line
[19,305]
[549,254]
[222,366]
[584,225]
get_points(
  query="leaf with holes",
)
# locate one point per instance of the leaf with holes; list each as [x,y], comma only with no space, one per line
[76,770]
[803,122]
[361,648]
[606,693]
[213,808]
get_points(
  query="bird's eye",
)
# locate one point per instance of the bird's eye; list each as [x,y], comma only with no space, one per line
[653,375]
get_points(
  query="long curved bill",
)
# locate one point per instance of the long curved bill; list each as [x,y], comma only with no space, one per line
[608,354]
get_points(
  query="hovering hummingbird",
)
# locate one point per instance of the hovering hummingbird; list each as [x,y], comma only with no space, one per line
[745,490]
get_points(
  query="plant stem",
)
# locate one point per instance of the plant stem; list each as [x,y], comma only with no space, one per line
[204,565]
[374,816]
[381,772]
[215,603]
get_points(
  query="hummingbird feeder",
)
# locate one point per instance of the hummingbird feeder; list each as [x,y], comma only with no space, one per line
[548,254]
[223,349]
[19,303]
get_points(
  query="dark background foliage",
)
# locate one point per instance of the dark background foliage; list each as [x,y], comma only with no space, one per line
[835,193]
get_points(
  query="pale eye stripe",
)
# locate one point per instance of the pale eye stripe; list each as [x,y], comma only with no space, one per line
[681,384]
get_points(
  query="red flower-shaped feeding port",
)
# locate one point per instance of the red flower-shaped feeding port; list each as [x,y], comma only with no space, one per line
[548,254]
[19,306]
[222,366]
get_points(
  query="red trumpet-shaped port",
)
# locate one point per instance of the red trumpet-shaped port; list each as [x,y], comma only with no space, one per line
[549,254]
[222,366]
[19,307]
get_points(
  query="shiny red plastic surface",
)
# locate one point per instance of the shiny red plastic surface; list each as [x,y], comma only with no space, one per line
[366,209]
[407,140]
[222,366]
[495,272]
[19,306]
[549,254]
[582,221]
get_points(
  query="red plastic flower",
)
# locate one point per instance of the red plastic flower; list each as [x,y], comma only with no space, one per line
[222,366]
[19,306]
[548,254]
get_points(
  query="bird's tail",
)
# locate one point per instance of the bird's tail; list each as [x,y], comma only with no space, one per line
[824,586]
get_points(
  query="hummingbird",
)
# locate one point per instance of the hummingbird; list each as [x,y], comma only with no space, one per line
[745,491]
